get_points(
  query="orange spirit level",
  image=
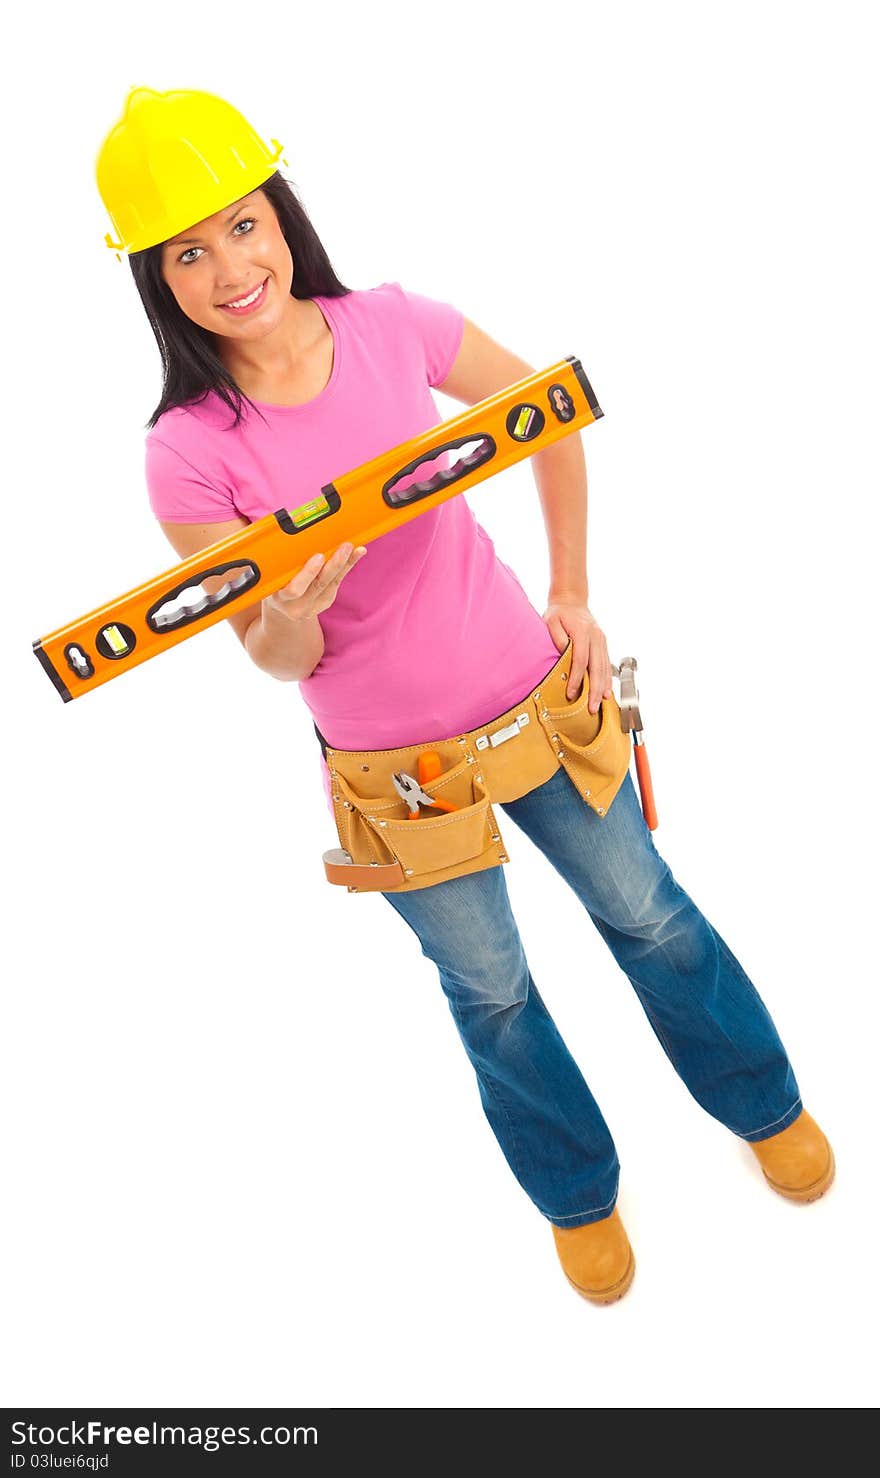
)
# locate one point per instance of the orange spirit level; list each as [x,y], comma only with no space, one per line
[359,507]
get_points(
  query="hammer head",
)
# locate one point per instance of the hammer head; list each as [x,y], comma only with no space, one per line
[630,718]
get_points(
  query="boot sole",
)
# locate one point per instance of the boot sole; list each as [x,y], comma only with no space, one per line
[611,1294]
[808,1192]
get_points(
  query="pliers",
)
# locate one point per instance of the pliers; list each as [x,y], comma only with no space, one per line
[409,790]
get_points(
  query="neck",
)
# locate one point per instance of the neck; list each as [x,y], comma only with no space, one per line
[277,355]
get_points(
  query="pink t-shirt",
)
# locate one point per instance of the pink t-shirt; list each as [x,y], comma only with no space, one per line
[431,633]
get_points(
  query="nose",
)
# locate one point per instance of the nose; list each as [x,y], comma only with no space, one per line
[230,270]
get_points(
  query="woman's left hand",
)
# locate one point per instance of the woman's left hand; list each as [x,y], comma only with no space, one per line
[589,649]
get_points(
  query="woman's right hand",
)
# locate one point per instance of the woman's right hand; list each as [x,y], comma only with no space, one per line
[316,585]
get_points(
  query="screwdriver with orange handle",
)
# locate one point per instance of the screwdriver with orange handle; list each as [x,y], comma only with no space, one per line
[430,766]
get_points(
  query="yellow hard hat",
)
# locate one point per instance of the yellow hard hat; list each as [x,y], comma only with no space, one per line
[173,159]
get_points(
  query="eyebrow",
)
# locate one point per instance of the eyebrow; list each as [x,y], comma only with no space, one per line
[194,240]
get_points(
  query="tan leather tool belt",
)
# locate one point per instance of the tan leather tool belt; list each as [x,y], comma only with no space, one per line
[382,849]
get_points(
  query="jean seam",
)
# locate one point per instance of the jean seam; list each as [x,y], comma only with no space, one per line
[748,985]
[722,949]
[496,1098]
[590,1209]
[772,1121]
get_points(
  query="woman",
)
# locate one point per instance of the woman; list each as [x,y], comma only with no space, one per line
[278,378]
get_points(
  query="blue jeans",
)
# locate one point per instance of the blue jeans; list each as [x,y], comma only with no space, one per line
[707,1015]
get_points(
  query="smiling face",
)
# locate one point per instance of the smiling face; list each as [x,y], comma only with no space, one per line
[232,272]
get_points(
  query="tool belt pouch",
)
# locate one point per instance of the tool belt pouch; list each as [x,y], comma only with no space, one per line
[592,748]
[504,759]
[390,852]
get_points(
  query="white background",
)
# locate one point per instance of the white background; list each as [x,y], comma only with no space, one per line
[247,1159]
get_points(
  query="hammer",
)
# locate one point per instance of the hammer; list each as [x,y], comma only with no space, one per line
[631,723]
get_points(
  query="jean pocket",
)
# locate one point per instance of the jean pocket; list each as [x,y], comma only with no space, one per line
[592,748]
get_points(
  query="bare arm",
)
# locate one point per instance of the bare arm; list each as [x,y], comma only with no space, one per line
[483,367]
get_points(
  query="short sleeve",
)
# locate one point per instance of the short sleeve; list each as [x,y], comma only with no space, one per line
[440,327]
[178,492]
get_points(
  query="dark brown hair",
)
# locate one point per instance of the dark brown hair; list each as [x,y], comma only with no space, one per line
[191,367]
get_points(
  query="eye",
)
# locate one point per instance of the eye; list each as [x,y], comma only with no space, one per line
[186,259]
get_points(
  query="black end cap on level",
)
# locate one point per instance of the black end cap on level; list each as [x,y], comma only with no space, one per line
[46,665]
[585,385]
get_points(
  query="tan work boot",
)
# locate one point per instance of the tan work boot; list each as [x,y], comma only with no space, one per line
[597,1259]
[798,1162]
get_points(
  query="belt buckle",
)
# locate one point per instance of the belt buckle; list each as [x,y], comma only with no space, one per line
[501,736]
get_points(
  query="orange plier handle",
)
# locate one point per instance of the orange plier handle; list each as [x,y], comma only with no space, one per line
[409,790]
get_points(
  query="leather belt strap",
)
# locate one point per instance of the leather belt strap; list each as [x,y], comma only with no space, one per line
[340,869]
[511,755]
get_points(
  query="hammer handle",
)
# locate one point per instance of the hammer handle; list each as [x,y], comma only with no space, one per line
[643,771]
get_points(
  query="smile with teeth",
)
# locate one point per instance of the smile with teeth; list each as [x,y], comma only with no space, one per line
[246,302]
